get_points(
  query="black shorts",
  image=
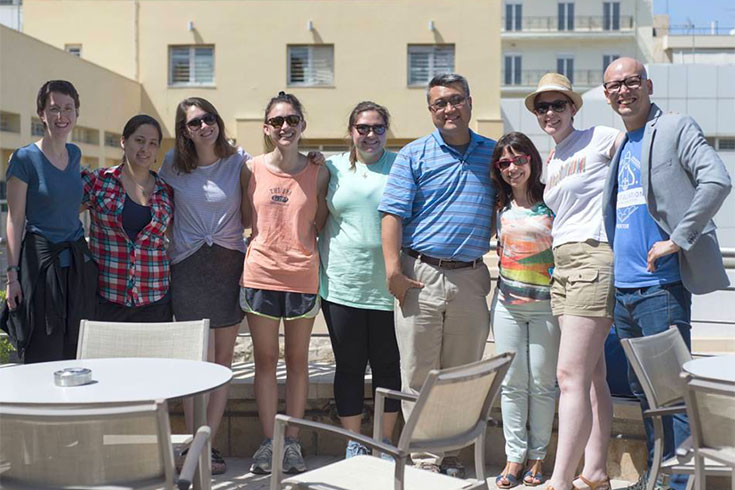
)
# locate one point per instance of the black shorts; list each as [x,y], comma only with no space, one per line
[279,304]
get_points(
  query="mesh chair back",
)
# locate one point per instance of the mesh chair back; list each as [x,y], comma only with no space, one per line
[656,361]
[172,340]
[711,410]
[455,403]
[53,446]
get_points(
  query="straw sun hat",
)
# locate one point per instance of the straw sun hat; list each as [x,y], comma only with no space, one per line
[554,82]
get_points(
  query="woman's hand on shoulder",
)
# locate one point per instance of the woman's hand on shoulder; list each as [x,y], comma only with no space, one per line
[316,157]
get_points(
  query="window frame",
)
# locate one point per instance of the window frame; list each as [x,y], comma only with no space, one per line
[514,21]
[308,68]
[567,59]
[516,74]
[192,61]
[611,16]
[565,19]
[431,50]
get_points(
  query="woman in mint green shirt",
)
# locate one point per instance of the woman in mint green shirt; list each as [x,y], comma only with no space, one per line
[356,303]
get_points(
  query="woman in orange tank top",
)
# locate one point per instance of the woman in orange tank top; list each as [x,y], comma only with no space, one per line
[280,279]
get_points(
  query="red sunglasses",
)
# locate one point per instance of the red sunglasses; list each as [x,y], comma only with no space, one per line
[517,160]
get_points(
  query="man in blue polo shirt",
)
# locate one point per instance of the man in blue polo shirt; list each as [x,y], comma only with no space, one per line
[437,207]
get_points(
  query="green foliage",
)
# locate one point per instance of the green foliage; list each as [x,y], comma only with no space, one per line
[6,348]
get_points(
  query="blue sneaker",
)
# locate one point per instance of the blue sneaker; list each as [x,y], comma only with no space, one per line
[354,448]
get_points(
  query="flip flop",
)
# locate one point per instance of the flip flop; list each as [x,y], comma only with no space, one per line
[535,473]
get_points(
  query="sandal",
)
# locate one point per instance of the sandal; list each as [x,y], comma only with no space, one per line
[594,485]
[513,479]
[535,473]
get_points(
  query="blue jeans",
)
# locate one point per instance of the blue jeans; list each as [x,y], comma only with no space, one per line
[647,311]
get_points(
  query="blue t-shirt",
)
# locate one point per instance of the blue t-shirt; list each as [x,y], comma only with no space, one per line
[635,229]
[445,198]
[53,197]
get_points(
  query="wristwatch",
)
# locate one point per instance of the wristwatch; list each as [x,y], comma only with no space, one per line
[15,268]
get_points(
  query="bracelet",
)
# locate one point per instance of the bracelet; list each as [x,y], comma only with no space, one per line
[15,268]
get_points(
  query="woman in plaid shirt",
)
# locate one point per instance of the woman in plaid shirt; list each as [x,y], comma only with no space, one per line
[130,208]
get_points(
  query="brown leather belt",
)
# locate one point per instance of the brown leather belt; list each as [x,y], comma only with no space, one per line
[441,263]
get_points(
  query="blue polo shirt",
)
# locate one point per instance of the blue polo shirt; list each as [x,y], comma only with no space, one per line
[445,198]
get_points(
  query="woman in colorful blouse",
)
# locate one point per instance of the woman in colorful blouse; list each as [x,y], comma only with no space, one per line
[521,311]
[130,209]
[356,303]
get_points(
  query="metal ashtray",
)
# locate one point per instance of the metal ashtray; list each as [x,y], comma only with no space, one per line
[74,376]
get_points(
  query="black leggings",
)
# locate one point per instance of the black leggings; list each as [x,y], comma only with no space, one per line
[358,336]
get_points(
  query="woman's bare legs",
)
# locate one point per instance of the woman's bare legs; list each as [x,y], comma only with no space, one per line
[595,452]
[264,333]
[220,351]
[298,335]
[580,361]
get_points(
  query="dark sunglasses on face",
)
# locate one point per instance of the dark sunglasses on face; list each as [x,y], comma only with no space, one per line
[556,106]
[277,122]
[196,123]
[457,101]
[364,129]
[517,160]
[631,82]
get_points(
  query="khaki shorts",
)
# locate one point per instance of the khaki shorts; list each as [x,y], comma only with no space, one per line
[582,283]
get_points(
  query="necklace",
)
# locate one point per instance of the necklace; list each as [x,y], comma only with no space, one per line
[128,173]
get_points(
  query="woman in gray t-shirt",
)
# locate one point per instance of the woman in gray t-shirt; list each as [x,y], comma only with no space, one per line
[207,248]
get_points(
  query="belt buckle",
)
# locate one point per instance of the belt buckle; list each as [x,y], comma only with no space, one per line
[439,265]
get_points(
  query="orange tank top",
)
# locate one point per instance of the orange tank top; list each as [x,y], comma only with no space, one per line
[282,255]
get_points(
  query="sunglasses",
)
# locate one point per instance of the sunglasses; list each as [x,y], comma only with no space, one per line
[517,160]
[557,106]
[196,123]
[364,129]
[456,101]
[277,122]
[631,82]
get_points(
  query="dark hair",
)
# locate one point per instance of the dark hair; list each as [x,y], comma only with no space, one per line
[59,86]
[137,121]
[364,106]
[519,143]
[286,99]
[140,120]
[185,153]
[447,80]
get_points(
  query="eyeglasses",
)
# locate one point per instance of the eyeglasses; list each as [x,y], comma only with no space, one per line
[517,160]
[632,82]
[196,123]
[277,122]
[364,129]
[557,106]
[456,101]
[56,110]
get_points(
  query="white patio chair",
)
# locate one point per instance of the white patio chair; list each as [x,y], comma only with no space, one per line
[170,340]
[120,446]
[711,409]
[452,411]
[657,361]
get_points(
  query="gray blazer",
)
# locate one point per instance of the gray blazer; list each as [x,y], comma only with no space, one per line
[685,183]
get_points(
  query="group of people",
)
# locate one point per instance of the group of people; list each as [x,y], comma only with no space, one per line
[390,247]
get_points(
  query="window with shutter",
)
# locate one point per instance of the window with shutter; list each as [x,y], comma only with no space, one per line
[191,65]
[311,66]
[426,62]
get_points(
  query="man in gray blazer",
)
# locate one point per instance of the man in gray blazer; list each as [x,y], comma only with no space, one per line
[665,185]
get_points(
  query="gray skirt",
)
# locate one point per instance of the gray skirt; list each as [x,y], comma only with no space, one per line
[207,285]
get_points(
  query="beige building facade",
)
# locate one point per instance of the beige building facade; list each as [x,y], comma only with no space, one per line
[107,98]
[239,53]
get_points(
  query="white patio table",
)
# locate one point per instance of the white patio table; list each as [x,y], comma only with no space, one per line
[719,368]
[119,380]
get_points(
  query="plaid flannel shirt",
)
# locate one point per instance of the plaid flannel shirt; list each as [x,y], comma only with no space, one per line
[131,273]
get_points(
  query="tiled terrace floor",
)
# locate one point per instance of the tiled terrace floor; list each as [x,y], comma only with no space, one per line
[238,477]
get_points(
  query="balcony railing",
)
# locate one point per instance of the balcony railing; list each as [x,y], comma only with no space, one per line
[531,77]
[579,24]
[689,30]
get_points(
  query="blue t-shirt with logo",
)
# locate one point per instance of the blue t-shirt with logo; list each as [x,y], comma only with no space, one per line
[635,229]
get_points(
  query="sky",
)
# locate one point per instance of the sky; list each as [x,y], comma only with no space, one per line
[699,12]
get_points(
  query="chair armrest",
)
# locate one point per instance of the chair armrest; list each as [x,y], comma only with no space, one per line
[658,412]
[685,451]
[285,420]
[398,395]
[192,457]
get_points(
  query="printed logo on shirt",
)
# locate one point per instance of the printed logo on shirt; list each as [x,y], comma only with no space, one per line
[576,165]
[279,195]
[630,192]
